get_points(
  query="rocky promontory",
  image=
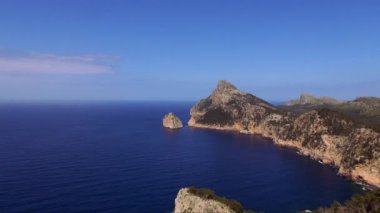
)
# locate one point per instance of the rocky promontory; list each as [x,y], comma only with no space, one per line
[172,121]
[323,134]
[201,200]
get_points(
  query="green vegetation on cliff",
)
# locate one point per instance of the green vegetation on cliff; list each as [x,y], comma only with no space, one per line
[366,203]
[209,194]
[360,203]
[365,110]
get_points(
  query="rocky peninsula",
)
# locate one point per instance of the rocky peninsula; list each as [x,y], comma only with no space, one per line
[323,134]
[172,121]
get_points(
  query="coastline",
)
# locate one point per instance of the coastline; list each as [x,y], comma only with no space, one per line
[359,174]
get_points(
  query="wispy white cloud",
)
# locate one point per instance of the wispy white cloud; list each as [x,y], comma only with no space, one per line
[23,62]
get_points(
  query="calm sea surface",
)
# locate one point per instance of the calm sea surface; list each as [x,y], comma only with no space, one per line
[117,157]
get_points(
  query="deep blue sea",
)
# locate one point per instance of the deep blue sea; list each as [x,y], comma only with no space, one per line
[117,157]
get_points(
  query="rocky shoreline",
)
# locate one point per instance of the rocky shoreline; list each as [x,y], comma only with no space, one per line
[203,200]
[323,135]
[360,175]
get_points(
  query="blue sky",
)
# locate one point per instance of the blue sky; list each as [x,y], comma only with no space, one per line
[179,49]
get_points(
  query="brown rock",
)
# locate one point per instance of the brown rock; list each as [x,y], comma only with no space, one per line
[171,121]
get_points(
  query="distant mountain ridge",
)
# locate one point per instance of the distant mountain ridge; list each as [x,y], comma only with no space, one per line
[321,133]
[364,109]
[305,99]
[365,105]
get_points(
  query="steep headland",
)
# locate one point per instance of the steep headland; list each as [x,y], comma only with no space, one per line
[171,121]
[323,134]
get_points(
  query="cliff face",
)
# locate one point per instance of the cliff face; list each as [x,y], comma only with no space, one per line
[194,200]
[322,134]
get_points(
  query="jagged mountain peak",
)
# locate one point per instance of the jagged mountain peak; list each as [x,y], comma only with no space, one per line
[224,86]
[226,93]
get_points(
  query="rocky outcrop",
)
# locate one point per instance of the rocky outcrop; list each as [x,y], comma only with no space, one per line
[172,121]
[194,200]
[322,134]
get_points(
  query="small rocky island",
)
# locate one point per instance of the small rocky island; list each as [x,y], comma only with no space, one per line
[172,121]
[324,134]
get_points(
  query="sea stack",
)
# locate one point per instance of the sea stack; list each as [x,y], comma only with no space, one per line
[172,121]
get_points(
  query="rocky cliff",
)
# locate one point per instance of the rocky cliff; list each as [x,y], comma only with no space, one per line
[172,121]
[194,200]
[322,134]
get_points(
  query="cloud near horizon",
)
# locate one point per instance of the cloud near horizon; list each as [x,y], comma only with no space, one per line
[52,63]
